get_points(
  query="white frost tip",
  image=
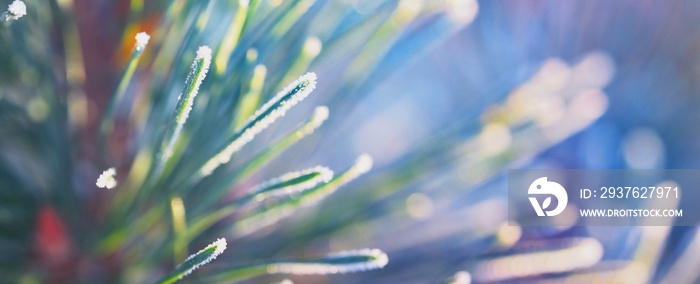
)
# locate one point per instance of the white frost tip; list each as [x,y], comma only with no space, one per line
[310,78]
[363,163]
[204,52]
[461,277]
[320,115]
[219,246]
[462,12]
[141,41]
[106,179]
[342,262]
[326,174]
[312,47]
[16,10]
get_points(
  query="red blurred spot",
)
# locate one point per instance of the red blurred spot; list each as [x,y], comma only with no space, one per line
[51,240]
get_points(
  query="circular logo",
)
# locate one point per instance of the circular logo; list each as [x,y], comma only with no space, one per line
[542,186]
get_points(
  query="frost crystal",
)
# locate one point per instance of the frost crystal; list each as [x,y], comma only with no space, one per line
[204,52]
[15,10]
[141,41]
[106,179]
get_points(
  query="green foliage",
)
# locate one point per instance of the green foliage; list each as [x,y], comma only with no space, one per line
[172,141]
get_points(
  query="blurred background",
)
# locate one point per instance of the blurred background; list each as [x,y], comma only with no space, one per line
[444,95]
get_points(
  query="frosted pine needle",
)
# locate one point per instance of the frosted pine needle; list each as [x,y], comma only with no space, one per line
[363,164]
[142,39]
[15,10]
[293,182]
[198,72]
[203,55]
[106,179]
[341,262]
[262,118]
[271,214]
[195,261]
[216,248]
